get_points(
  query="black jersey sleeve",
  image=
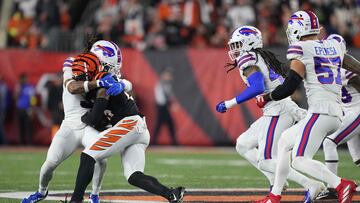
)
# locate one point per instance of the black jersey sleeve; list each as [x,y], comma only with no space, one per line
[94,117]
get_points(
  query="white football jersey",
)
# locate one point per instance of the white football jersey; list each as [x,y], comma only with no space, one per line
[272,79]
[72,109]
[322,60]
[350,97]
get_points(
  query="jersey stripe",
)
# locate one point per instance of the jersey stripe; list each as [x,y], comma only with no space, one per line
[295,52]
[242,62]
[306,134]
[347,130]
[270,137]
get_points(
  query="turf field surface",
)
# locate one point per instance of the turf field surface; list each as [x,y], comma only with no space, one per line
[202,170]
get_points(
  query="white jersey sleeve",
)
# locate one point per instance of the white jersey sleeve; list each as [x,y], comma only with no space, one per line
[245,60]
[295,51]
[67,68]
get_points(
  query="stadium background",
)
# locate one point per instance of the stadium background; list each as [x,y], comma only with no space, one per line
[190,37]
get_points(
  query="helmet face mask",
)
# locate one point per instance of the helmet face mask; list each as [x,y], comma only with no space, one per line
[234,50]
[244,39]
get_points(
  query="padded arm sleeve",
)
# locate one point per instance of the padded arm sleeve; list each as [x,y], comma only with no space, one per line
[256,87]
[287,88]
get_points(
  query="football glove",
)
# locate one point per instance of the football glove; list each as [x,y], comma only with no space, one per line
[260,101]
[116,89]
[106,81]
[220,107]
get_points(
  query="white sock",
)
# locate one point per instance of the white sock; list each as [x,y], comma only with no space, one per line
[282,171]
[332,166]
[46,174]
[99,170]
[317,170]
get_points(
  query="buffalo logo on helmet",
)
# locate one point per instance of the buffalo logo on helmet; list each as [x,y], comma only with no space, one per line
[247,31]
[107,51]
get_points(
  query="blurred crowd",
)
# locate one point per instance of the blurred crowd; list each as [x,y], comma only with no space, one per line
[28,107]
[159,24]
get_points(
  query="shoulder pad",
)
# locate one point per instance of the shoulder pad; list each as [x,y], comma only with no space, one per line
[245,60]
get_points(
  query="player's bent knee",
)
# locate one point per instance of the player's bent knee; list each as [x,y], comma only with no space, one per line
[133,177]
[297,162]
[241,147]
[51,164]
[328,144]
[268,165]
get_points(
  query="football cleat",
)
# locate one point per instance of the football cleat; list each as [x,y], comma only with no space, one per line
[345,190]
[313,191]
[94,198]
[329,194]
[36,197]
[271,198]
[177,195]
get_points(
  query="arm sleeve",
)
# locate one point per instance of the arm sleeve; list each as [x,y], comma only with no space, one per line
[256,87]
[287,88]
[95,115]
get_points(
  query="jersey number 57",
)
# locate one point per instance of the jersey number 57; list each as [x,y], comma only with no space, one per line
[324,69]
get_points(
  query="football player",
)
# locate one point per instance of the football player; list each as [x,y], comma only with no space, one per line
[128,137]
[349,130]
[318,63]
[262,73]
[78,73]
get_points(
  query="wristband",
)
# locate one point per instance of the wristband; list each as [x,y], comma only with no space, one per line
[98,83]
[86,86]
[230,103]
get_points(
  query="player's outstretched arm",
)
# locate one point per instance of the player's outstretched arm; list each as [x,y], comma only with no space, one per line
[256,87]
[80,87]
[352,64]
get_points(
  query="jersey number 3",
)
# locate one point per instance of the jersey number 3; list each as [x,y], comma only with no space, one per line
[324,69]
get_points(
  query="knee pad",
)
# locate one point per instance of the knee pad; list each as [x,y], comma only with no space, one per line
[329,144]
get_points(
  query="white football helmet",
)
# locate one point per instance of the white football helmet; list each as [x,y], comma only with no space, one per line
[302,23]
[243,39]
[109,55]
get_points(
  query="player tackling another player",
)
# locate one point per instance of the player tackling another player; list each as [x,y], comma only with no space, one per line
[78,79]
[318,63]
[262,73]
[128,137]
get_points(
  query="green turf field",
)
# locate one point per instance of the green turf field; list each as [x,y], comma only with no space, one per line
[190,167]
